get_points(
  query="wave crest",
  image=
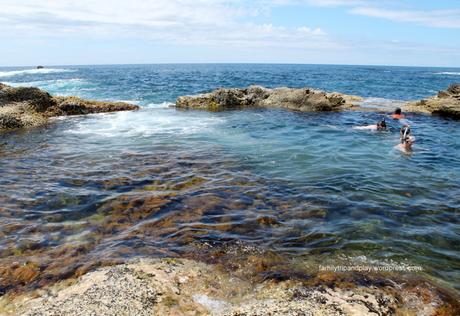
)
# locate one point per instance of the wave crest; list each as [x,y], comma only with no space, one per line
[12,73]
[448,73]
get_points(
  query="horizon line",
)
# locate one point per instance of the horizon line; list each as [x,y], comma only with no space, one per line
[225,63]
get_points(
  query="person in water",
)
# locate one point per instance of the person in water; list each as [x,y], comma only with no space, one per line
[380,126]
[397,115]
[406,139]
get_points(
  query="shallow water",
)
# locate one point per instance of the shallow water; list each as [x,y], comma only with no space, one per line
[160,181]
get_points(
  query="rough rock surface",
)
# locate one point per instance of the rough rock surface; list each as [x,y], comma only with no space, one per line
[187,287]
[445,103]
[304,99]
[28,106]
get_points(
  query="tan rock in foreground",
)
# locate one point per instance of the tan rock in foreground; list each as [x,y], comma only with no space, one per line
[187,287]
[28,106]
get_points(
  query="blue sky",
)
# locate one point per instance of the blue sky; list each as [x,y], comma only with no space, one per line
[385,32]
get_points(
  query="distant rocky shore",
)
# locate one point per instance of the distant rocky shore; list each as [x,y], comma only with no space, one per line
[28,107]
[446,103]
[305,99]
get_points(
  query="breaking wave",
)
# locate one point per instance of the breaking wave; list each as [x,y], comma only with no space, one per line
[448,73]
[32,72]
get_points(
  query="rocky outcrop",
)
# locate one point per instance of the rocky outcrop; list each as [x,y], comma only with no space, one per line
[185,287]
[28,106]
[305,99]
[446,103]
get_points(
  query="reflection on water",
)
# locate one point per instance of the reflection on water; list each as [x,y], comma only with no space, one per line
[99,189]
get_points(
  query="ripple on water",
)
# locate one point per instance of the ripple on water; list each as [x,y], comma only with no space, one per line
[103,188]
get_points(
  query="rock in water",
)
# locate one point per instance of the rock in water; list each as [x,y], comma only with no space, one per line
[40,67]
[305,99]
[445,103]
[29,106]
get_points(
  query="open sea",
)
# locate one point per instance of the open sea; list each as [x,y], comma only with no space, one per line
[90,190]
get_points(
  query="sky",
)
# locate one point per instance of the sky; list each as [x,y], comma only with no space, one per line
[359,32]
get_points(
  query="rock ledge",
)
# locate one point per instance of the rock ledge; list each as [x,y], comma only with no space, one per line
[29,106]
[446,103]
[304,99]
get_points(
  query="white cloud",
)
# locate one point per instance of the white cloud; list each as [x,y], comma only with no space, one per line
[321,3]
[436,18]
[177,21]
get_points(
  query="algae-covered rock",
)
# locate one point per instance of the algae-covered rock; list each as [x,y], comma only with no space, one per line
[305,99]
[36,100]
[29,106]
[446,103]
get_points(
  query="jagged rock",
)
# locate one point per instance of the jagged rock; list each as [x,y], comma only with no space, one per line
[9,121]
[36,99]
[445,103]
[304,99]
[29,106]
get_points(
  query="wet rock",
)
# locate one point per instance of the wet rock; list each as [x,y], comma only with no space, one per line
[10,122]
[187,287]
[77,106]
[446,103]
[36,100]
[29,106]
[304,99]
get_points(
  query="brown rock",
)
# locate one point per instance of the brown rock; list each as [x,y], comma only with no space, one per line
[28,106]
[446,103]
[305,99]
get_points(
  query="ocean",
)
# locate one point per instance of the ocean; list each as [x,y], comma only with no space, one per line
[98,189]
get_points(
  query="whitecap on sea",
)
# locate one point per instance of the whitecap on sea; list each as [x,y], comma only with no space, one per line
[448,73]
[12,73]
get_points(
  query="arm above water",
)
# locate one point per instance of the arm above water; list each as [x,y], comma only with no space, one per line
[366,127]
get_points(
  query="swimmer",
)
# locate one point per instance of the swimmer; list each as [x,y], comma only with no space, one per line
[406,140]
[380,126]
[397,114]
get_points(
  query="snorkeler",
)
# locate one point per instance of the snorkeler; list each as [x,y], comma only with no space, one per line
[380,126]
[406,139]
[397,114]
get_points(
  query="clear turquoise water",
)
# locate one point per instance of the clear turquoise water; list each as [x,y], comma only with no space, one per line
[328,189]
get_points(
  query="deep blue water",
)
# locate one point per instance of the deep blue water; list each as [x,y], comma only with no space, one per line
[163,83]
[326,189]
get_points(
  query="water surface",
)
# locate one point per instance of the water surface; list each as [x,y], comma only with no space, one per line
[160,181]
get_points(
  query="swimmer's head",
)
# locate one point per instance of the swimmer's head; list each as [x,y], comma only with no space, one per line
[405,134]
[398,111]
[382,124]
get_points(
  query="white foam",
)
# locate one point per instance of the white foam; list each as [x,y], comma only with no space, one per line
[380,103]
[212,305]
[55,82]
[448,73]
[145,123]
[163,105]
[62,87]
[32,72]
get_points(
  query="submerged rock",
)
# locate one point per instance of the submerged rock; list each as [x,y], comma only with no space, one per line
[445,103]
[29,106]
[304,99]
